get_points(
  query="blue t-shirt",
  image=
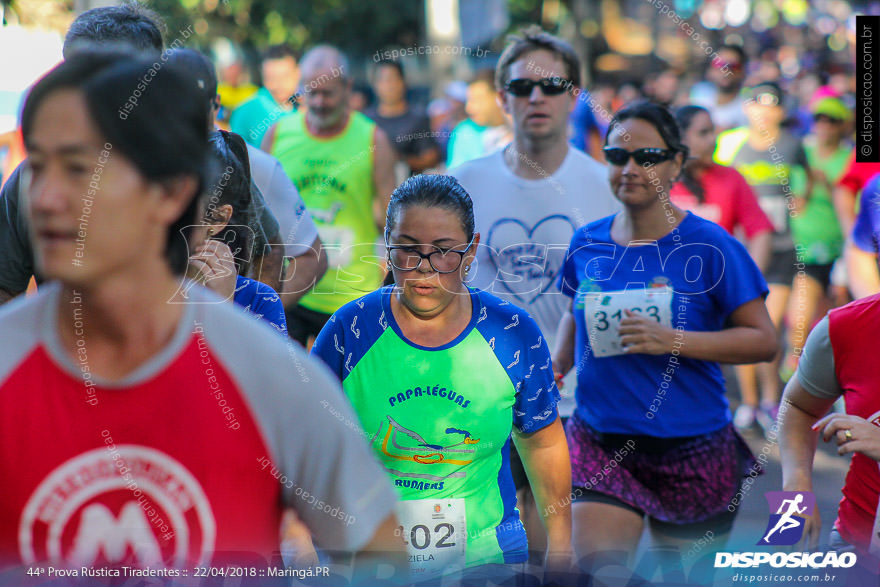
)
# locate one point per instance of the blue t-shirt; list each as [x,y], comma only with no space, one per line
[866,230]
[439,419]
[709,274]
[262,301]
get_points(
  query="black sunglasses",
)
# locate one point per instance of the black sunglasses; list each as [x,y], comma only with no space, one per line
[550,86]
[826,118]
[619,157]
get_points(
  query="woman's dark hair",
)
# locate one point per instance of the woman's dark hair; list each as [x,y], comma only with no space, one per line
[233,187]
[684,116]
[657,116]
[152,117]
[432,191]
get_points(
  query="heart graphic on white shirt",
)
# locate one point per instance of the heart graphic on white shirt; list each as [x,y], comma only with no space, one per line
[528,260]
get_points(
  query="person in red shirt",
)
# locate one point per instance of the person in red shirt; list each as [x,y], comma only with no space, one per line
[838,360]
[139,427]
[848,188]
[717,192]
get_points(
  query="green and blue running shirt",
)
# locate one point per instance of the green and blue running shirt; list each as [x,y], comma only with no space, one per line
[440,419]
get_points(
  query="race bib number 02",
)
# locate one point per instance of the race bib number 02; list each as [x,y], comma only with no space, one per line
[605,310]
[435,533]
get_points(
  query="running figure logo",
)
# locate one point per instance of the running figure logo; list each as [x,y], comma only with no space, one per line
[788,512]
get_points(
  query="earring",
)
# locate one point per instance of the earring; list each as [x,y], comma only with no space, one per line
[210,232]
[467,268]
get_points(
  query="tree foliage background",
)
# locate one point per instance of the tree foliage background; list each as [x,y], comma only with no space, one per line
[359,28]
[356,27]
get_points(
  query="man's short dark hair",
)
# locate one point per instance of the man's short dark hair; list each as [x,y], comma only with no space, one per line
[531,39]
[389,63]
[131,23]
[741,53]
[279,52]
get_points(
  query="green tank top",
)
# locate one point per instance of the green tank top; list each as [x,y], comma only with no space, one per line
[816,230]
[334,176]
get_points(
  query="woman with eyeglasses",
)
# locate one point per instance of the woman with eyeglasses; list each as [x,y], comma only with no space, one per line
[660,298]
[440,375]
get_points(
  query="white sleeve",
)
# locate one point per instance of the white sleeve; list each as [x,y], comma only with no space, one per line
[298,231]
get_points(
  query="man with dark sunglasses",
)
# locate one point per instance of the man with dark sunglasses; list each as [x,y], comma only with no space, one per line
[530,196]
[719,94]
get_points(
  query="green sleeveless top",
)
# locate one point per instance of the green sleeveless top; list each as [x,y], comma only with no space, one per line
[334,176]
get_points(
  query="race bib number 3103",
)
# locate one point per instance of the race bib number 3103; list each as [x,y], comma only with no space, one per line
[435,533]
[605,310]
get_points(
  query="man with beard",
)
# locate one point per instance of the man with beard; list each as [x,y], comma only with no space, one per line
[720,93]
[343,166]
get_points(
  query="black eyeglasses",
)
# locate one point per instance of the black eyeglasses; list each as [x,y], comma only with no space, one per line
[619,157]
[550,86]
[408,258]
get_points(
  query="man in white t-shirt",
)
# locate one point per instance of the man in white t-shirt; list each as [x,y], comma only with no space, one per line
[531,196]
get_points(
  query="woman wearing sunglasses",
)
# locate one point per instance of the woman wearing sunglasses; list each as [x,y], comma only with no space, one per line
[440,375]
[660,298]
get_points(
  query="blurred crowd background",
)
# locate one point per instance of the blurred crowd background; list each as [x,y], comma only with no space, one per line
[657,48]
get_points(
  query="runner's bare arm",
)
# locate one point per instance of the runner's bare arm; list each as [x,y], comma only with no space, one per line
[861,271]
[797,445]
[304,271]
[267,268]
[563,354]
[844,200]
[759,247]
[269,138]
[386,546]
[751,339]
[383,176]
[546,461]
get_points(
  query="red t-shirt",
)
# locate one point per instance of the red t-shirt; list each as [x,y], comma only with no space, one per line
[857,174]
[729,201]
[186,461]
[853,332]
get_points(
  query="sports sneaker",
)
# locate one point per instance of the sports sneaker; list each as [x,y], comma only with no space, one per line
[744,416]
[766,417]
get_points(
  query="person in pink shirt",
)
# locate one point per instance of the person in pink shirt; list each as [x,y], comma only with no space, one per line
[722,195]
